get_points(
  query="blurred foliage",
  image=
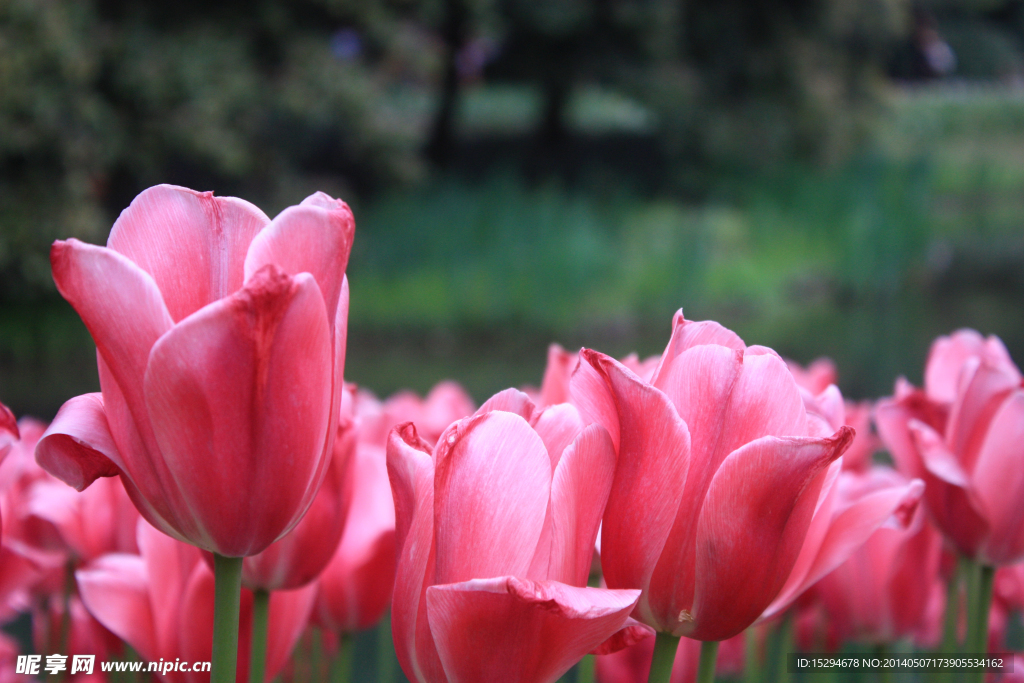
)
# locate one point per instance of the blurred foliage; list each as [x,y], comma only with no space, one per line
[524,170]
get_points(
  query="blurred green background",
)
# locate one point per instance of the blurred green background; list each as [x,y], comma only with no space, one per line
[827,177]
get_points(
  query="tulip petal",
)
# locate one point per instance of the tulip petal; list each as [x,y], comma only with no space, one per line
[8,423]
[510,401]
[314,237]
[592,396]
[240,405]
[512,631]
[77,447]
[492,481]
[168,563]
[751,527]
[952,503]
[653,459]
[727,399]
[125,313]
[554,388]
[192,243]
[983,388]
[998,481]
[579,492]
[629,635]
[115,590]
[946,359]
[687,334]
[849,528]
[558,426]
[411,471]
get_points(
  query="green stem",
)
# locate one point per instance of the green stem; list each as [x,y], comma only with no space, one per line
[341,669]
[386,660]
[751,662]
[884,675]
[708,657]
[258,651]
[65,617]
[228,592]
[665,646]
[951,621]
[316,649]
[785,645]
[585,670]
[977,619]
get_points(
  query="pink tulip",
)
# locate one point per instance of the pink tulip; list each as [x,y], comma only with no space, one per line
[495,529]
[161,603]
[962,436]
[301,555]
[220,342]
[852,505]
[882,592]
[717,479]
[95,522]
[355,588]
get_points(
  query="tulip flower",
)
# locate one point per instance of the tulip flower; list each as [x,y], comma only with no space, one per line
[495,528]
[717,481]
[882,592]
[355,587]
[961,434]
[852,505]
[220,339]
[161,603]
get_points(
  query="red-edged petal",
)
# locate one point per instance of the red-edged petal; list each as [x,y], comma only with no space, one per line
[192,243]
[687,334]
[240,403]
[77,447]
[115,590]
[411,471]
[579,492]
[998,482]
[511,631]
[314,237]
[492,483]
[653,458]
[753,523]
